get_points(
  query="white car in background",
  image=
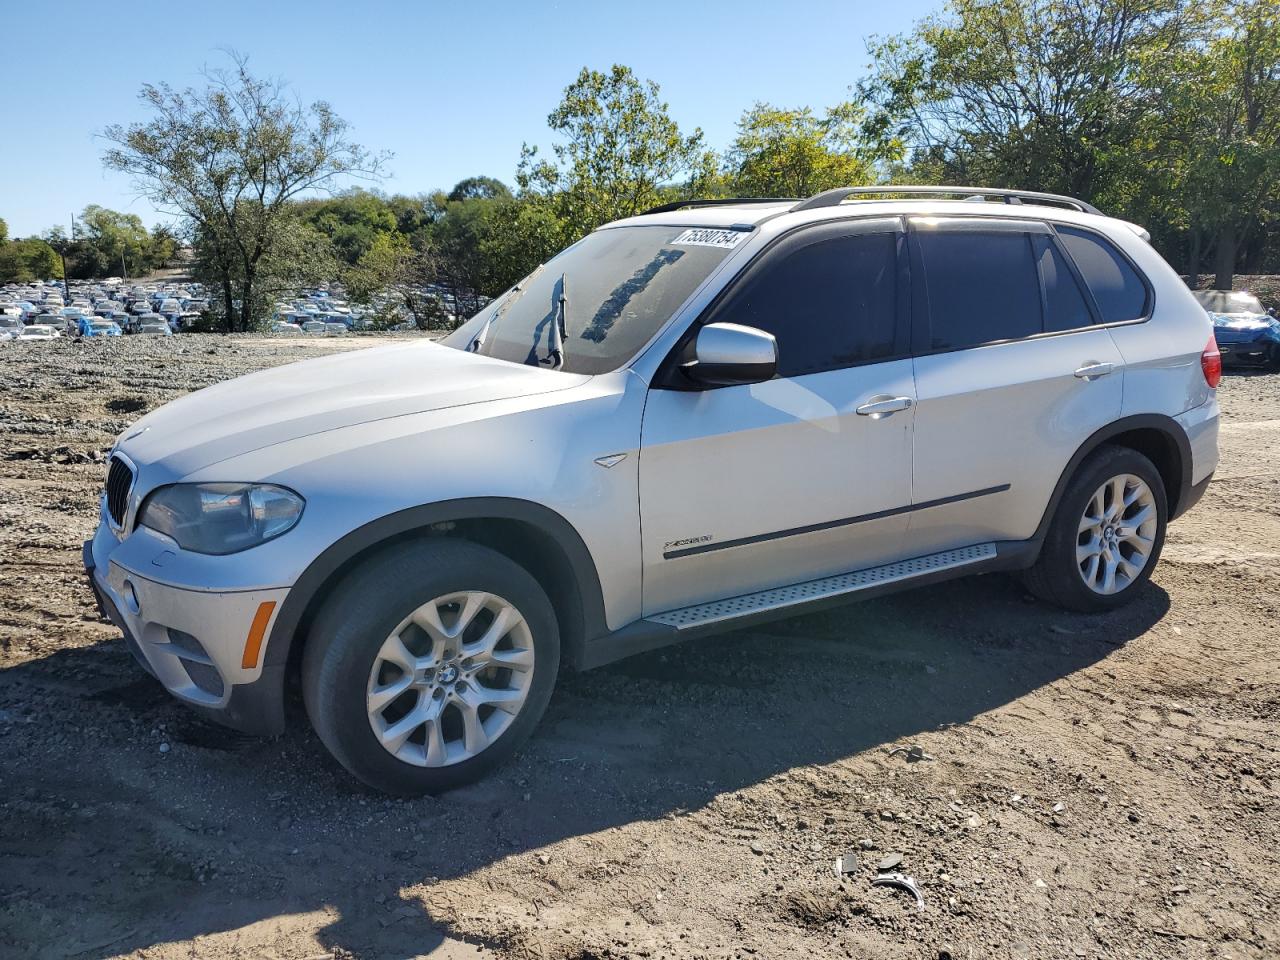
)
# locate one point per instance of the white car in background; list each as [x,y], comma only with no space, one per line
[39,331]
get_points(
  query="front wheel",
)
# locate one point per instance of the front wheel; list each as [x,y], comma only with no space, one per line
[430,665]
[1106,536]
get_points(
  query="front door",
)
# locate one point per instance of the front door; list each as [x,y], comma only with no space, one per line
[748,487]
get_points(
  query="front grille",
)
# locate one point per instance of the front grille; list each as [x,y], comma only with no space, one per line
[119,483]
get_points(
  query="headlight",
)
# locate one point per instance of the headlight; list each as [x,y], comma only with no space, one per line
[221,518]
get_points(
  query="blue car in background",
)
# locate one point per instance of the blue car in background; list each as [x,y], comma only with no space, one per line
[98,327]
[1247,334]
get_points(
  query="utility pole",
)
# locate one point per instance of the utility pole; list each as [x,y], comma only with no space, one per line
[62,252]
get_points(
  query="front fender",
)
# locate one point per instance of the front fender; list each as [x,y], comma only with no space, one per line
[329,566]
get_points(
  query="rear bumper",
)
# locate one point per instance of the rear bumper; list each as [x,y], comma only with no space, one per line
[1191,497]
[194,643]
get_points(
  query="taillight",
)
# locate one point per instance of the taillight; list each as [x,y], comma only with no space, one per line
[1211,362]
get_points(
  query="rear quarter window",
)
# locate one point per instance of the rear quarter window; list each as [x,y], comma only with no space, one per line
[1116,287]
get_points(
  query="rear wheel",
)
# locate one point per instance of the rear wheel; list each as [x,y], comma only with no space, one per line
[430,665]
[1106,535]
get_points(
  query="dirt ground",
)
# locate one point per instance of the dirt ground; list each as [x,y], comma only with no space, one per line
[1100,786]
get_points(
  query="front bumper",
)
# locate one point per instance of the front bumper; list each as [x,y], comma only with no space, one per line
[197,643]
[1252,354]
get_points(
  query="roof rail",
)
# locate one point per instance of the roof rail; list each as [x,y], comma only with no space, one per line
[830,198]
[681,204]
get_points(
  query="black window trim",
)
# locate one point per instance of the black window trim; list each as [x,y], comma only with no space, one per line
[921,315]
[1149,304]
[669,376]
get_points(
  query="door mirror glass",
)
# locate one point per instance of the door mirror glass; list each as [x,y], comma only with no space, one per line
[725,354]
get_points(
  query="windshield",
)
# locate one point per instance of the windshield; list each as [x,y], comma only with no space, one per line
[1224,301]
[619,285]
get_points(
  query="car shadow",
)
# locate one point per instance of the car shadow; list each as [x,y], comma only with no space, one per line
[108,845]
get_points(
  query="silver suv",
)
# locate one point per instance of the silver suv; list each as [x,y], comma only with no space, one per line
[688,421]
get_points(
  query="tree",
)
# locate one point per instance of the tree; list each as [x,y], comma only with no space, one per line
[231,159]
[620,147]
[22,261]
[4,231]
[299,256]
[1045,94]
[1223,114]
[480,188]
[483,240]
[110,243]
[792,153]
[164,246]
[353,221]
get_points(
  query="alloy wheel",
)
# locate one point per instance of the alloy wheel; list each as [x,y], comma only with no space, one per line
[1116,534]
[450,679]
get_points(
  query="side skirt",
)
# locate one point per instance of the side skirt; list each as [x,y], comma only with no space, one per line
[719,616]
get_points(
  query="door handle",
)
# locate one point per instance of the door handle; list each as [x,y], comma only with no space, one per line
[1092,371]
[883,406]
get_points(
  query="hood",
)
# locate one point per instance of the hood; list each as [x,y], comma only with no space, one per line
[1243,327]
[325,393]
[1241,321]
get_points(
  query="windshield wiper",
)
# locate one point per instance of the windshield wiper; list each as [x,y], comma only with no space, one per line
[483,333]
[559,329]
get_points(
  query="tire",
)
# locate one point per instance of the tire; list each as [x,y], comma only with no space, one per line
[352,667]
[1064,574]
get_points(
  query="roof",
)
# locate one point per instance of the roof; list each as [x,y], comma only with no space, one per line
[965,201]
[749,211]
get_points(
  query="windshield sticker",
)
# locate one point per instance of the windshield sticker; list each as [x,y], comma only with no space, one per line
[702,237]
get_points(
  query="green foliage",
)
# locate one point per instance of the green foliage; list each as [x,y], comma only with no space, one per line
[383,264]
[480,188]
[22,261]
[109,243]
[1023,93]
[1162,111]
[1220,133]
[619,148]
[353,221]
[793,153]
[4,231]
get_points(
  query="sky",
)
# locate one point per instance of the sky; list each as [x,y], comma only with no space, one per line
[451,89]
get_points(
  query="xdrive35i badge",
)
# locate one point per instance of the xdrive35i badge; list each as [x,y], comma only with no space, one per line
[687,542]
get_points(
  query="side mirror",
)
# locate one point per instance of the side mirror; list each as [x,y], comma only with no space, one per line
[725,354]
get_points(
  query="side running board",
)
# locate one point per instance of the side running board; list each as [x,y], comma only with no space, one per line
[704,614]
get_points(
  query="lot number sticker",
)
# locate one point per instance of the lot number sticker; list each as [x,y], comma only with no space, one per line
[725,239]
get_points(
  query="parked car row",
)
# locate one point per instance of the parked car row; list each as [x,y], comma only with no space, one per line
[106,308]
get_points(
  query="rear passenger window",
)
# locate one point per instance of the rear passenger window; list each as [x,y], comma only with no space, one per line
[830,303]
[1064,304]
[1116,286]
[982,287]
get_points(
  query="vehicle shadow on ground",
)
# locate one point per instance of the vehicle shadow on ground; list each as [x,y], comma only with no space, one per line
[108,846]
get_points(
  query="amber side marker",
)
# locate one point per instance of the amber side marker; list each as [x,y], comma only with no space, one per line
[253,643]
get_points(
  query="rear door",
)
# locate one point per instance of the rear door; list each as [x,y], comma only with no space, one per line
[1012,376]
[754,486]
